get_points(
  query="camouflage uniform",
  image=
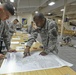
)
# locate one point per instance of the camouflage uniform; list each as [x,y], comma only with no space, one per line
[30,29]
[48,35]
[18,26]
[4,34]
[12,29]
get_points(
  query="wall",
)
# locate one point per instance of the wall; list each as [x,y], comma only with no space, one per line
[11,19]
[28,16]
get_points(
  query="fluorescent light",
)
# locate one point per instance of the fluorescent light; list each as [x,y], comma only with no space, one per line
[36,12]
[51,3]
[0,3]
[59,20]
[62,10]
[11,0]
[49,13]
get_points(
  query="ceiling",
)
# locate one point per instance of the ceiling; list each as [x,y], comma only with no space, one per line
[30,6]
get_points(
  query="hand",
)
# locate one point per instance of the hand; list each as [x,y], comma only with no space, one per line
[35,27]
[12,50]
[43,53]
[26,52]
[2,56]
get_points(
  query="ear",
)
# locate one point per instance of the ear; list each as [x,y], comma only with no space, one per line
[1,9]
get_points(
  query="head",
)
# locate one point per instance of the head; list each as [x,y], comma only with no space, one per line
[32,22]
[6,10]
[39,19]
[15,21]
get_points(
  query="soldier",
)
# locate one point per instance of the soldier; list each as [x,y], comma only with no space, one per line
[31,27]
[12,28]
[67,40]
[6,10]
[18,25]
[48,31]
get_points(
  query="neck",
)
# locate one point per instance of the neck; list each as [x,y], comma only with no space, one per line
[44,23]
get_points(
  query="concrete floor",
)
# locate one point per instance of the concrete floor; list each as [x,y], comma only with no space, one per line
[67,53]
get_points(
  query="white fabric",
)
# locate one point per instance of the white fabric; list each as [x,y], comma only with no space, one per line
[16,63]
[15,38]
[14,42]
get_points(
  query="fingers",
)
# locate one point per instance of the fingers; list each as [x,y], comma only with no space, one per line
[27,51]
[26,54]
[43,53]
[2,56]
[12,51]
[29,54]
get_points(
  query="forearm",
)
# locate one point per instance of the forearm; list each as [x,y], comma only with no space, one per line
[12,30]
[7,43]
[30,42]
[32,39]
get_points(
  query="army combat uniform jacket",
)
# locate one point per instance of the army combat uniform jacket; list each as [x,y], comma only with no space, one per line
[4,34]
[48,35]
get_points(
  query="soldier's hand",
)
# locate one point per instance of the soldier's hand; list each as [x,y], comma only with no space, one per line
[43,53]
[2,56]
[26,52]
[12,50]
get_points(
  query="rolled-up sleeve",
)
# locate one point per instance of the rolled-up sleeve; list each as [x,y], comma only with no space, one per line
[52,37]
[32,38]
[5,35]
[12,28]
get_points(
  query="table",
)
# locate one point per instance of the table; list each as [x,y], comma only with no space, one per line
[57,71]
[22,36]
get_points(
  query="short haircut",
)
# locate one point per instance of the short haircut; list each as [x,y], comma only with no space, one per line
[16,20]
[9,7]
[39,16]
[32,21]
